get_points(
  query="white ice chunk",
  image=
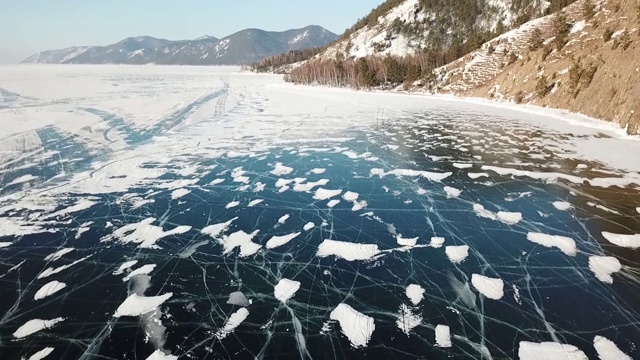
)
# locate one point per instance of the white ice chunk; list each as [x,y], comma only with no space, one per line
[318,171]
[407,319]
[238,298]
[277,241]
[562,205]
[355,325]
[142,270]
[35,325]
[410,242]
[255,202]
[49,289]
[285,289]
[457,254]
[136,305]
[160,355]
[333,203]
[348,251]
[216,229]
[604,266]
[232,204]
[283,219]
[490,287]
[280,170]
[232,323]
[324,194]
[452,192]
[41,354]
[549,351]
[415,293]
[436,242]
[608,350]
[628,241]
[443,336]
[243,240]
[176,194]
[462,166]
[308,226]
[565,244]
[58,254]
[350,196]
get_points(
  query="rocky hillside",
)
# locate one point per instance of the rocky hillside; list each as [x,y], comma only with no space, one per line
[583,59]
[243,47]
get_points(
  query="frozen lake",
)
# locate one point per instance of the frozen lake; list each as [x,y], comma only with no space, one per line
[200,213]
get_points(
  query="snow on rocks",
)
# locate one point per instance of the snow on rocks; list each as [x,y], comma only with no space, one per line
[627,241]
[452,192]
[232,323]
[136,305]
[443,336]
[285,289]
[35,325]
[280,170]
[562,205]
[49,289]
[325,194]
[565,244]
[603,267]
[415,293]
[355,325]
[608,350]
[276,241]
[346,250]
[549,351]
[490,287]
[457,254]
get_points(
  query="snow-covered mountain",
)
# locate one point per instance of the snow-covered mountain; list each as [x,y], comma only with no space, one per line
[403,27]
[243,47]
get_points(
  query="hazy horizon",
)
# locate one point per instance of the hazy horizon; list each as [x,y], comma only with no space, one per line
[39,25]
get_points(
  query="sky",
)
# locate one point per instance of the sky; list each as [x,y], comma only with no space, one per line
[30,26]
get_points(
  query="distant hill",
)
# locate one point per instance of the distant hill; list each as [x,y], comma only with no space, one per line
[243,47]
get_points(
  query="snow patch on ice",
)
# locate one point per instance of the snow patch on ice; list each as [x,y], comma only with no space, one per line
[324,194]
[160,355]
[436,242]
[443,336]
[285,289]
[49,289]
[277,241]
[452,192]
[242,240]
[627,241]
[176,194]
[58,254]
[280,170]
[603,267]
[565,244]
[608,350]
[549,351]
[34,326]
[407,319]
[283,219]
[333,203]
[319,171]
[415,293]
[308,226]
[509,218]
[136,305]
[355,325]
[232,323]
[433,176]
[562,205]
[255,202]
[490,287]
[348,251]
[145,234]
[142,270]
[41,354]
[457,254]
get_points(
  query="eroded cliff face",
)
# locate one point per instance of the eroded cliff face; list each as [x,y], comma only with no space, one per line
[596,73]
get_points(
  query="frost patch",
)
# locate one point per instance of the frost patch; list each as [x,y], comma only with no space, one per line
[136,305]
[457,254]
[347,251]
[232,323]
[628,241]
[285,289]
[608,350]
[603,267]
[34,326]
[489,287]
[355,325]
[549,351]
[49,289]
[415,293]
[277,241]
[443,336]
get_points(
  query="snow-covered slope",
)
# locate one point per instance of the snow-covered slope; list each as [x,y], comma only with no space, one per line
[414,25]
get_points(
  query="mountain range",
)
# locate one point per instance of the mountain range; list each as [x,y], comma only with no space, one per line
[243,47]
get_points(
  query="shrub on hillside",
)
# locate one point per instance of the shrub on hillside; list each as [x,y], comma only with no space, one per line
[606,36]
[535,41]
[543,87]
[588,9]
[561,30]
